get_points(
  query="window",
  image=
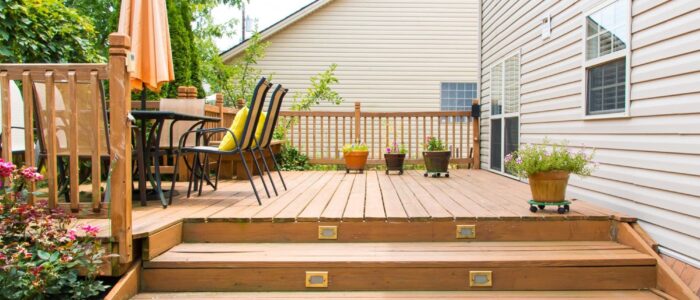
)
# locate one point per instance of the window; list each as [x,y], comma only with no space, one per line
[505,110]
[606,65]
[457,96]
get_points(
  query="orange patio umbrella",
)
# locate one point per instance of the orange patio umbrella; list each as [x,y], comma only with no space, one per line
[146,22]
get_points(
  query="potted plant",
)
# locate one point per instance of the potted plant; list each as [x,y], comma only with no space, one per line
[394,158]
[436,157]
[355,156]
[547,167]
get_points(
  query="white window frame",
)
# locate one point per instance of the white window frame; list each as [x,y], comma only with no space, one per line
[503,116]
[587,64]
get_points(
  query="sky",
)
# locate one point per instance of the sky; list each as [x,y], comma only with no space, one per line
[266,11]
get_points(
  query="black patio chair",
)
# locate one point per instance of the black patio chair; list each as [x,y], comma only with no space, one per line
[265,142]
[204,136]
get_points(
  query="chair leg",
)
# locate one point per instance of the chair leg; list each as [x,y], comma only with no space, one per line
[194,170]
[277,167]
[218,171]
[172,185]
[267,169]
[250,177]
[204,173]
[262,176]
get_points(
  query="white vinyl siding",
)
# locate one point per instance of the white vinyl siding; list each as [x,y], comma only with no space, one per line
[391,55]
[649,161]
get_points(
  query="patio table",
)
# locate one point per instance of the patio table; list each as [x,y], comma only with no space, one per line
[148,146]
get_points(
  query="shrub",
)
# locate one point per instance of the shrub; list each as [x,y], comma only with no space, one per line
[291,159]
[532,159]
[435,144]
[40,256]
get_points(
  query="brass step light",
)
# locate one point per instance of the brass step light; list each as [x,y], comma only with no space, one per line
[316,279]
[466,231]
[480,279]
[327,232]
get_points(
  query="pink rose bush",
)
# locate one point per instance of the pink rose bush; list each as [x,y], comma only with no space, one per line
[40,254]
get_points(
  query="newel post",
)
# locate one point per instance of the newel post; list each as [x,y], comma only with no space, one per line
[220,107]
[120,142]
[476,132]
[357,122]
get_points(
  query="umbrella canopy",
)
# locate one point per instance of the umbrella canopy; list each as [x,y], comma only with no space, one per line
[146,22]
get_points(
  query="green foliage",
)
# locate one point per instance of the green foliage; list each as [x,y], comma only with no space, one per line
[104,16]
[290,159]
[243,73]
[532,159]
[396,149]
[40,256]
[34,31]
[435,144]
[359,147]
[321,89]
[185,59]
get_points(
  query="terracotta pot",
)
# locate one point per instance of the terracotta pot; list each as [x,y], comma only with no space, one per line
[355,160]
[394,162]
[437,161]
[549,186]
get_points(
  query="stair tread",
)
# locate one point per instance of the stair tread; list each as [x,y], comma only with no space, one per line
[433,254]
[644,294]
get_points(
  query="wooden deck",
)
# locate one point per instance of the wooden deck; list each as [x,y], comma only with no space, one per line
[334,196]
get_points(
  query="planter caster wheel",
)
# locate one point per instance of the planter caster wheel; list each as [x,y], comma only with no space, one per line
[401,172]
[347,171]
[436,175]
[533,208]
[386,172]
[362,171]
[561,210]
[566,206]
[425,174]
[447,175]
[540,207]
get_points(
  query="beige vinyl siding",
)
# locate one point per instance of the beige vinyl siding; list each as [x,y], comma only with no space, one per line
[649,163]
[392,55]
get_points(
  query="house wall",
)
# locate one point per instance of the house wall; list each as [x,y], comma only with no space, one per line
[391,54]
[649,163]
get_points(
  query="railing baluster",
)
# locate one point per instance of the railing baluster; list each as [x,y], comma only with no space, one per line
[51,163]
[337,151]
[409,146]
[6,117]
[72,103]
[402,131]
[372,128]
[97,146]
[306,134]
[29,155]
[395,139]
[344,132]
[321,134]
[461,134]
[330,151]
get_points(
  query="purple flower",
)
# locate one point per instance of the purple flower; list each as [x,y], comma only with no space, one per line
[508,158]
[519,160]
[388,150]
[90,230]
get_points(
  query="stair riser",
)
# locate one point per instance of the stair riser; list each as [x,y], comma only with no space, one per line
[438,231]
[377,279]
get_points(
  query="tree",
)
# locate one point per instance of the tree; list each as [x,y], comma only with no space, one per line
[104,16]
[244,74]
[35,31]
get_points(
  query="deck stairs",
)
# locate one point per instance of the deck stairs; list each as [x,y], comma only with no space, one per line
[374,263]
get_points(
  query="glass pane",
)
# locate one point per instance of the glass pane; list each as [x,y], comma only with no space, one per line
[511,136]
[606,30]
[512,85]
[606,87]
[496,156]
[496,89]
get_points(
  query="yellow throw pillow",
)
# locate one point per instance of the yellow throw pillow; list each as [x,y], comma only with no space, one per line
[228,144]
[259,129]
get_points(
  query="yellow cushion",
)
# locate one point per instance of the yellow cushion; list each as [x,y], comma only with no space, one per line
[259,129]
[228,143]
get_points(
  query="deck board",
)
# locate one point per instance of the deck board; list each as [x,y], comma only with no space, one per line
[314,196]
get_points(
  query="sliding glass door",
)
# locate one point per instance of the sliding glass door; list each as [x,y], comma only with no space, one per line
[505,110]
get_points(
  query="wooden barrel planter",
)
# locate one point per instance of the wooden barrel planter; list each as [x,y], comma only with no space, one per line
[394,162]
[436,162]
[355,160]
[549,186]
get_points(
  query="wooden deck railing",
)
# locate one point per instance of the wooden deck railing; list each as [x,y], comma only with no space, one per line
[321,134]
[71,76]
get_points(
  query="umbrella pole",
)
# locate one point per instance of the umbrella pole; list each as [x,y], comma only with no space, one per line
[142,164]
